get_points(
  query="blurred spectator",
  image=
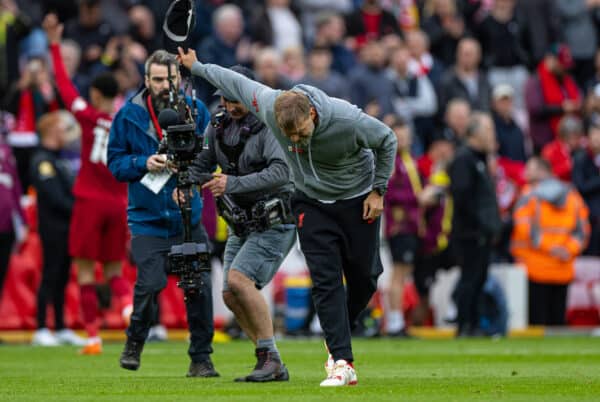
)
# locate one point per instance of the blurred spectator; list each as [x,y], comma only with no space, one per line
[586,177]
[476,220]
[439,153]
[413,97]
[90,30]
[549,94]
[560,152]
[456,121]
[143,27]
[319,74]
[501,36]
[225,46]
[312,9]
[465,80]
[53,182]
[541,27]
[510,137]
[580,35]
[368,82]
[422,61]
[330,32]
[276,25]
[435,251]
[551,229]
[10,207]
[30,97]
[293,66]
[445,27]
[14,26]
[371,22]
[508,179]
[592,92]
[267,66]
[71,55]
[406,13]
[402,225]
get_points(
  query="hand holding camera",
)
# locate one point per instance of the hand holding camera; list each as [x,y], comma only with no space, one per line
[156,163]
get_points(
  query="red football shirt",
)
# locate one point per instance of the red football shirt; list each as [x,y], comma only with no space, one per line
[94,179]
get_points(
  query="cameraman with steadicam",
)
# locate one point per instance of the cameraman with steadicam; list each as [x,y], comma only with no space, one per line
[254,173]
[154,218]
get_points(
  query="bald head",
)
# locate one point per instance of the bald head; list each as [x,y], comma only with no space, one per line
[481,133]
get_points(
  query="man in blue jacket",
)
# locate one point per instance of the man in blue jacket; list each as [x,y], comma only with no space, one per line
[154,218]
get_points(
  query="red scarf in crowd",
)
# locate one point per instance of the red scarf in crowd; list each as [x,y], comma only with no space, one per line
[24,133]
[556,92]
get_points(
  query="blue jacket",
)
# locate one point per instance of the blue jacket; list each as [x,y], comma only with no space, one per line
[132,140]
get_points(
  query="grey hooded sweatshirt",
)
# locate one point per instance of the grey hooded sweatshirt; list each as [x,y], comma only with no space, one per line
[349,152]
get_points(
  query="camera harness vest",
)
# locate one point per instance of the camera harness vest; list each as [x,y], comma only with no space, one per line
[233,152]
[221,120]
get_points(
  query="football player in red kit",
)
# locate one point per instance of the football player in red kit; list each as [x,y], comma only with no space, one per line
[98,231]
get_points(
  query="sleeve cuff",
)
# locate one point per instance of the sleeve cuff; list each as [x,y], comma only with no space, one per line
[139,162]
[197,68]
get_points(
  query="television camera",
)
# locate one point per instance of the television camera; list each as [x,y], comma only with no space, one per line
[181,144]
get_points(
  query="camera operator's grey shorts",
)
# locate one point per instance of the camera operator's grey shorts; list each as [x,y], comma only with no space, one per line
[259,255]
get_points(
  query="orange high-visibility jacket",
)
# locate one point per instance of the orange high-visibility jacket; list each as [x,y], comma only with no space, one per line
[548,215]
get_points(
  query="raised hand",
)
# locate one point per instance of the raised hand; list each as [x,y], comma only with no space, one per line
[53,28]
[187,58]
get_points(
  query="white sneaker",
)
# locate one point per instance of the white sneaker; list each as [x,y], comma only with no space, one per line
[68,337]
[343,374]
[43,337]
[157,333]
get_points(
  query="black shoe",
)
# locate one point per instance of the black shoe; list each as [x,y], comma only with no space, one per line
[202,369]
[268,368]
[130,358]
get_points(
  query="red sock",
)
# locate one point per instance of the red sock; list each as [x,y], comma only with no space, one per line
[89,307]
[121,289]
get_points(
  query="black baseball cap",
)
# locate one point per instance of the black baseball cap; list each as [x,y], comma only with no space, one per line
[179,23]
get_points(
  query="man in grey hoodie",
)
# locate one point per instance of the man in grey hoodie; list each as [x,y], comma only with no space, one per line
[341,160]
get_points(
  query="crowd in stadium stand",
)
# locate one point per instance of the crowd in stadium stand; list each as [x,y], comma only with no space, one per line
[424,67]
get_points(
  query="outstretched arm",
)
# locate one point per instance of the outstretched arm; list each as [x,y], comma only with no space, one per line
[66,89]
[258,98]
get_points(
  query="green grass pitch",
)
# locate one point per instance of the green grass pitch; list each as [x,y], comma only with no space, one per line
[551,369]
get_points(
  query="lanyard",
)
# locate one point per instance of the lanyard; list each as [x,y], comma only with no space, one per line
[154,119]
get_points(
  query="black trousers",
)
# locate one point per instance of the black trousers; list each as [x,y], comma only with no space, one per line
[474,259]
[150,256]
[547,303]
[55,275]
[338,243]
[7,239]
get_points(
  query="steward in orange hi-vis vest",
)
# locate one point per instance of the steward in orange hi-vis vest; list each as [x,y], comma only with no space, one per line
[551,228]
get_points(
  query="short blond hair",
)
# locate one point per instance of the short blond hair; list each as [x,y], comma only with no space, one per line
[291,108]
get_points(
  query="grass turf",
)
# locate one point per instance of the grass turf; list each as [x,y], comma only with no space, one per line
[551,369]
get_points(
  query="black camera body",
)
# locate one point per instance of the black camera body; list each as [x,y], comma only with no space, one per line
[269,213]
[263,215]
[236,217]
[188,261]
